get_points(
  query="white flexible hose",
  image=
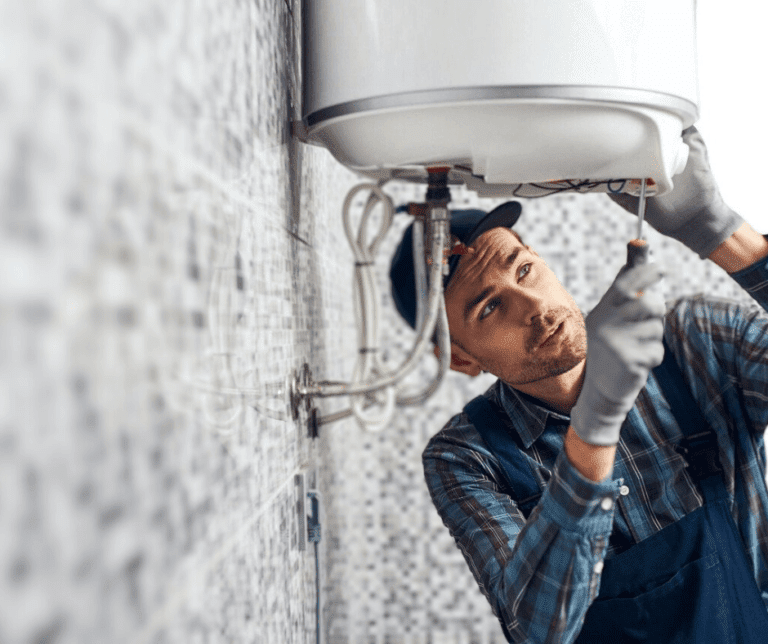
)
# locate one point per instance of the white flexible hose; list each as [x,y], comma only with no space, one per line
[443,336]
[419,270]
[444,344]
[369,380]
[366,297]
[435,296]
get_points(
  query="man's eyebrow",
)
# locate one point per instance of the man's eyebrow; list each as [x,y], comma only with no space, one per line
[513,255]
[474,302]
[484,293]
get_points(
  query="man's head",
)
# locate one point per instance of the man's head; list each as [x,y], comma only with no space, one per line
[504,304]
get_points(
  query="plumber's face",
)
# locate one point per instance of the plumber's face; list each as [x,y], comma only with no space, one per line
[508,311]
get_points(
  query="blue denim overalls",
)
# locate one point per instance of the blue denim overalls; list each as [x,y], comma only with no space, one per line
[690,583]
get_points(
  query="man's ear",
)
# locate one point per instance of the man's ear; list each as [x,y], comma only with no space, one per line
[461,361]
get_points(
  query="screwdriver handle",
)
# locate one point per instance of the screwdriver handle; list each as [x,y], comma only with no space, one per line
[637,252]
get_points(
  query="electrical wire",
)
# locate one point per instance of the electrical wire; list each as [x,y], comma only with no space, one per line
[317,593]
[314,534]
[621,188]
[535,190]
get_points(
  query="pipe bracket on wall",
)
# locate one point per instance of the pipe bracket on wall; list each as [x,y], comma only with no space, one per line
[300,380]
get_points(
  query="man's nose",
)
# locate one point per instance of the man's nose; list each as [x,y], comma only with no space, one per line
[528,304]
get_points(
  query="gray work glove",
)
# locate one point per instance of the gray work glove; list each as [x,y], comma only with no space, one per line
[624,334]
[694,213]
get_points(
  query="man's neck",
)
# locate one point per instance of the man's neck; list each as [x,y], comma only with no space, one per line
[559,392]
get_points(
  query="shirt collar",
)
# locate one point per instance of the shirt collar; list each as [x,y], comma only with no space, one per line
[529,416]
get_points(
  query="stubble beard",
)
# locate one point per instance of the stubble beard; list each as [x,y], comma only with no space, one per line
[573,350]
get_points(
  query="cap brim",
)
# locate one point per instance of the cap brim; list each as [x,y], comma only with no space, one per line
[505,216]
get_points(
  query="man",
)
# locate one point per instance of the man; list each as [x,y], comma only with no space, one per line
[597,496]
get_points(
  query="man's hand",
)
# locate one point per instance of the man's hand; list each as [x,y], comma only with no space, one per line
[694,213]
[624,342]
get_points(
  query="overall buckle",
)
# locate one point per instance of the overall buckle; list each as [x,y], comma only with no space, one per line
[701,454]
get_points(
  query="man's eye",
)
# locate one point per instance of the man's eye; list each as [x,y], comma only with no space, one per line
[492,304]
[526,268]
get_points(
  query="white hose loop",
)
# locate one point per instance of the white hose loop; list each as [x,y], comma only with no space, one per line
[374,419]
[366,298]
[389,212]
[361,253]
[370,380]
[439,241]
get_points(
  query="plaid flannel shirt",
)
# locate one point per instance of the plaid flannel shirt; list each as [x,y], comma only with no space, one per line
[541,575]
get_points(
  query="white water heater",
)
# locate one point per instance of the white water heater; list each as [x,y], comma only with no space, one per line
[504,92]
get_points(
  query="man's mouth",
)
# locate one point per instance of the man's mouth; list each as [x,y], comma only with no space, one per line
[554,334]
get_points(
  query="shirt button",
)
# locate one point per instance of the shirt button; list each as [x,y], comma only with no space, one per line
[606,503]
[623,490]
[599,567]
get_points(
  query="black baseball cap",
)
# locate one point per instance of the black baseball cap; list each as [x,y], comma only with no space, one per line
[466,227]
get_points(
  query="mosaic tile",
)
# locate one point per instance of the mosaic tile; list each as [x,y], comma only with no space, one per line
[165,256]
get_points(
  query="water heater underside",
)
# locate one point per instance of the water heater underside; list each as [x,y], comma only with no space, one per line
[509,135]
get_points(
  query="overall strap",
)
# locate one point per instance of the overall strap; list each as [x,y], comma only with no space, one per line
[699,444]
[503,443]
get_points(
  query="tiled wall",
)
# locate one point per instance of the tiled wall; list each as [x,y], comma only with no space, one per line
[169,256]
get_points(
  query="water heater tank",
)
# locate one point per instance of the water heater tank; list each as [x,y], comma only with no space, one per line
[503,91]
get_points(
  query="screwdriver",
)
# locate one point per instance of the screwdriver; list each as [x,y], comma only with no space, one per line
[637,249]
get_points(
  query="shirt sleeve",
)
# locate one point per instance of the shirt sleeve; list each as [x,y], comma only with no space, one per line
[754,280]
[541,575]
[722,346]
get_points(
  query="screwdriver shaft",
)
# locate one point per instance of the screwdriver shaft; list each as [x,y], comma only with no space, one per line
[641,210]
